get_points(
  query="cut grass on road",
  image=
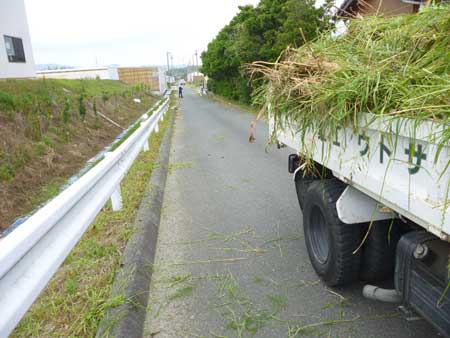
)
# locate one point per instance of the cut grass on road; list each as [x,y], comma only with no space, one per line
[77,297]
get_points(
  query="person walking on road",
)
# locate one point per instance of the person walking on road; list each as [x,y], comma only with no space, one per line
[180,91]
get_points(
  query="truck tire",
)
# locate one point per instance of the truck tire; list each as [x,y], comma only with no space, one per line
[301,186]
[378,253]
[304,179]
[330,243]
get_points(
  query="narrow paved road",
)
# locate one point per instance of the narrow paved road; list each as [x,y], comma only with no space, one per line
[231,259]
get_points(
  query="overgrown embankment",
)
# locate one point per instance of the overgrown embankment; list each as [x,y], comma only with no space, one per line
[50,128]
[77,297]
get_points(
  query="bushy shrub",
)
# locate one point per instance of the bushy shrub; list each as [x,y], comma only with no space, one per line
[66,111]
[82,107]
[94,108]
[7,102]
[34,124]
[6,173]
[105,96]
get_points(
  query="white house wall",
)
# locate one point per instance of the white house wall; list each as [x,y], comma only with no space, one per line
[13,22]
[162,79]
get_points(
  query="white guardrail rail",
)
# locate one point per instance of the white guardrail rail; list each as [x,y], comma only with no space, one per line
[33,252]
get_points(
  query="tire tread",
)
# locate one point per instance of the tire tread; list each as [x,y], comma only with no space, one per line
[346,269]
[378,258]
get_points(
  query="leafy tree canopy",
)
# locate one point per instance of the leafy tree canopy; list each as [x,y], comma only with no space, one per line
[258,33]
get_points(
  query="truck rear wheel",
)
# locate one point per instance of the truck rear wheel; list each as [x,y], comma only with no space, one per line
[301,186]
[378,256]
[330,243]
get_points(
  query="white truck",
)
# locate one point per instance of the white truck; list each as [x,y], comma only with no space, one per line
[376,205]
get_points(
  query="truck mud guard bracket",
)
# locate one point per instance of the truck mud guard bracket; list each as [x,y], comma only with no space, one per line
[356,207]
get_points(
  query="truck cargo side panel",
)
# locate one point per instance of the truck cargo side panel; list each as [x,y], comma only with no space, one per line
[392,163]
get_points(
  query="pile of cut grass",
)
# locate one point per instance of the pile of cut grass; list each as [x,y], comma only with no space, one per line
[396,67]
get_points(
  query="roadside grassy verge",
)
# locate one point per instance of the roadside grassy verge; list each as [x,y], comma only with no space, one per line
[236,104]
[78,296]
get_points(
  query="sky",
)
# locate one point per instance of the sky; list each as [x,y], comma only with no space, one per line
[85,33]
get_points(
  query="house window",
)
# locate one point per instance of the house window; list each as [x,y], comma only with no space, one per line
[14,49]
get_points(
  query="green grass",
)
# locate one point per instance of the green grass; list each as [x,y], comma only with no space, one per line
[241,315]
[78,296]
[175,287]
[98,87]
[14,92]
[244,305]
[310,329]
[49,114]
[126,136]
[219,138]
[254,109]
[6,172]
[394,67]
[179,165]
[6,101]
[182,292]
[49,191]
[155,108]
[135,127]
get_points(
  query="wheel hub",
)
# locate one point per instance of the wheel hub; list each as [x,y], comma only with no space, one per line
[319,235]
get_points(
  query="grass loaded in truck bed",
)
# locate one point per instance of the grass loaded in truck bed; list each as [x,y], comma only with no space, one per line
[396,67]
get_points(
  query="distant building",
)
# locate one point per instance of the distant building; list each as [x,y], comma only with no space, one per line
[77,73]
[153,77]
[195,77]
[385,7]
[16,55]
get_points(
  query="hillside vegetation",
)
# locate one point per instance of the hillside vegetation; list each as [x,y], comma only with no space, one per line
[79,295]
[49,128]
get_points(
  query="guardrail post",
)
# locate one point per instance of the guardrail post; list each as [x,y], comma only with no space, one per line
[61,222]
[146,147]
[156,126]
[116,199]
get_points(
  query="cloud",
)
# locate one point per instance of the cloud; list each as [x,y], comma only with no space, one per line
[132,32]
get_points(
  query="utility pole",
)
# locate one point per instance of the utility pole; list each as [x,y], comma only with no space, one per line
[168,67]
[168,64]
[189,69]
[196,57]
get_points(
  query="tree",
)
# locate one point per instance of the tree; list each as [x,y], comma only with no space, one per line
[258,33]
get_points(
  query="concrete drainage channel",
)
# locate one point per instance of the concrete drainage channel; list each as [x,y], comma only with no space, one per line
[131,285]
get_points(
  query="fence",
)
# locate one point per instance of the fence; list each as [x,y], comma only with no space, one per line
[32,253]
[140,75]
[84,73]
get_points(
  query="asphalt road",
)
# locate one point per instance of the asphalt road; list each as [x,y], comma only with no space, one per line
[231,259]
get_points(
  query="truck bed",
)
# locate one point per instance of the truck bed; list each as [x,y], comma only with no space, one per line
[379,161]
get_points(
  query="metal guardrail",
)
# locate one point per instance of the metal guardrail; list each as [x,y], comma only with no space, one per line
[32,253]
